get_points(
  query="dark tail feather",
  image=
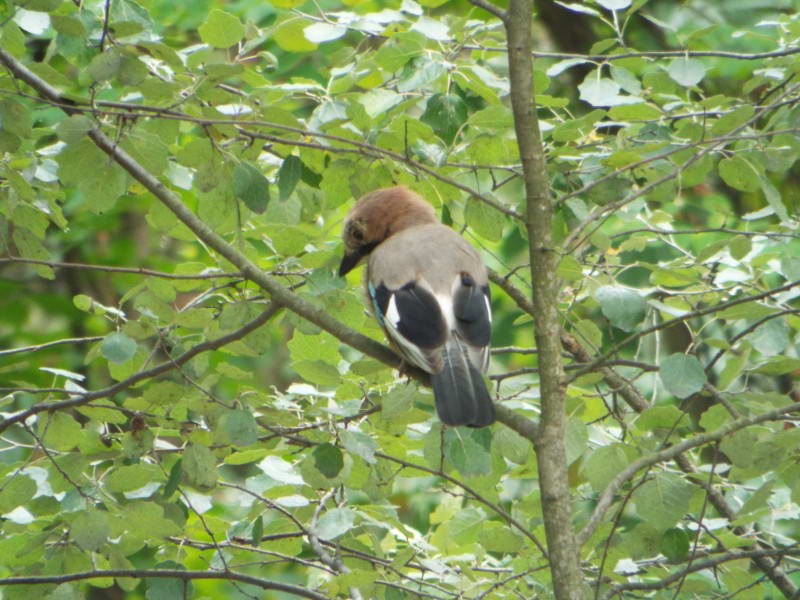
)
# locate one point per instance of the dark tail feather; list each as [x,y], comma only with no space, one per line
[459,389]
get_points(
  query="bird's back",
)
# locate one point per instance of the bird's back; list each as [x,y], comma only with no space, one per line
[418,252]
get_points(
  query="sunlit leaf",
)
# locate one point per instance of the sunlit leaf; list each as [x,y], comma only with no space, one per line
[687,72]
[221,29]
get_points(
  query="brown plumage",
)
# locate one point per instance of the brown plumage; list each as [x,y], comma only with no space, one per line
[429,290]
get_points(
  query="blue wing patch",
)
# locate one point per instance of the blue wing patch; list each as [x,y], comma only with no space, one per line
[380,300]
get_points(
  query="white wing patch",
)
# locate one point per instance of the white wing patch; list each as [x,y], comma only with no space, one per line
[446,306]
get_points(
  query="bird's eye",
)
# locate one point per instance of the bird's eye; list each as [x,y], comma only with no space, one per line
[358,235]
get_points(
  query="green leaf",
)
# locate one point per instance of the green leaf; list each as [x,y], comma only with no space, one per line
[738,173]
[774,199]
[288,176]
[634,112]
[360,444]
[15,491]
[15,117]
[334,523]
[199,466]
[164,393]
[779,365]
[622,306]
[740,247]
[758,500]
[258,531]
[682,375]
[9,142]
[118,347]
[746,310]
[103,187]
[790,267]
[131,477]
[687,72]
[660,417]
[675,544]
[603,465]
[328,460]
[174,479]
[290,36]
[61,432]
[512,445]
[397,402]
[90,530]
[576,439]
[569,269]
[492,118]
[240,427]
[484,220]
[663,500]
[132,71]
[467,525]
[497,537]
[30,246]
[318,372]
[734,365]
[419,74]
[287,3]
[468,450]
[68,25]
[251,187]
[589,333]
[399,50]
[714,418]
[65,591]
[74,128]
[732,120]
[105,65]
[164,588]
[770,338]
[41,5]
[696,172]
[445,114]
[221,29]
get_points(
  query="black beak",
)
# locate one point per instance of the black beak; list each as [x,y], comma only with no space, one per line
[349,261]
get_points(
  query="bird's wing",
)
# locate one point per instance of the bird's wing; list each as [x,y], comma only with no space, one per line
[473,317]
[413,320]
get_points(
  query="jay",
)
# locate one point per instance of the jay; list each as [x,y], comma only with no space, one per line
[429,290]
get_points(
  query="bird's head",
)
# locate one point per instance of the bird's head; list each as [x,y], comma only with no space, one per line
[377,216]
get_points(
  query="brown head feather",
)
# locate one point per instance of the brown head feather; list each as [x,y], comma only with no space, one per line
[379,215]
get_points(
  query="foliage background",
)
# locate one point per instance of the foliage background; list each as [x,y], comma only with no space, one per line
[169,411]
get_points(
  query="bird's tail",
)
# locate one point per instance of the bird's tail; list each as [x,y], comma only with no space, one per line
[459,389]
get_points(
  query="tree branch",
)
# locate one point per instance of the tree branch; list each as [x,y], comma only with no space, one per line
[36,348]
[550,445]
[168,573]
[112,269]
[490,8]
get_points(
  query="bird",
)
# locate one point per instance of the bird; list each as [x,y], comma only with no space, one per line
[429,290]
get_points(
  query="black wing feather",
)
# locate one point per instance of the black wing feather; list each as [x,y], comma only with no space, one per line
[470,305]
[421,319]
